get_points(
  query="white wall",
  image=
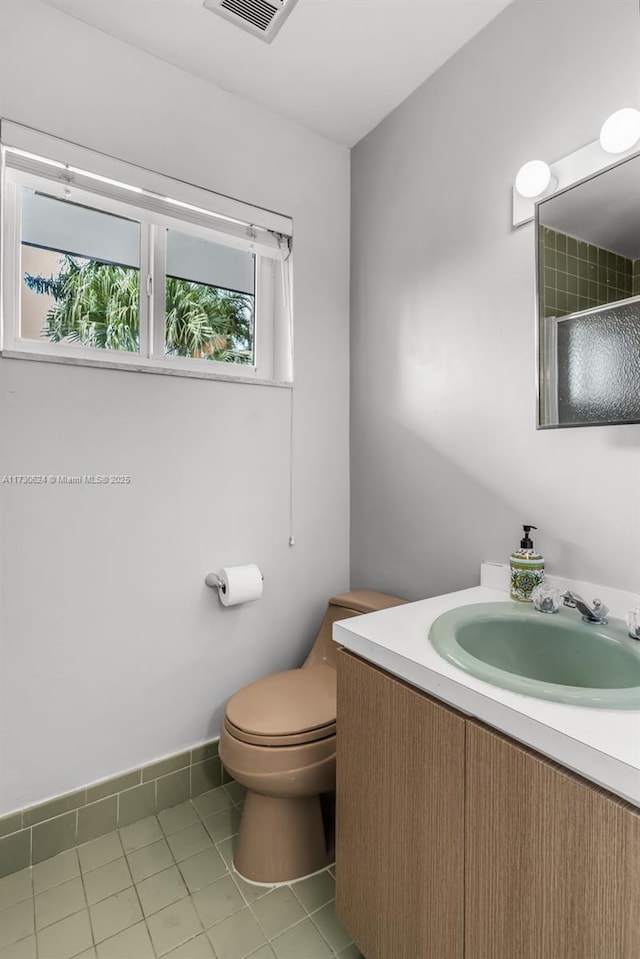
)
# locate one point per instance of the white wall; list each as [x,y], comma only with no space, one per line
[114,653]
[446,461]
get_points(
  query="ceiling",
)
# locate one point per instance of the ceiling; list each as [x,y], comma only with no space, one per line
[337,66]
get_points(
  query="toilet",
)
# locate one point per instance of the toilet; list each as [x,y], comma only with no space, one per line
[279,740]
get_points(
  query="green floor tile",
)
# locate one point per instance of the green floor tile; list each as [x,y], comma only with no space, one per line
[198,948]
[264,952]
[217,901]
[316,891]
[224,824]
[277,911]
[25,949]
[189,841]
[326,921]
[16,922]
[100,851]
[212,802]
[161,890]
[114,914]
[174,925]
[66,938]
[107,880]
[54,871]
[131,943]
[236,937]
[59,902]
[15,888]
[302,942]
[202,869]
[149,860]
[250,890]
[177,818]
[141,833]
[351,952]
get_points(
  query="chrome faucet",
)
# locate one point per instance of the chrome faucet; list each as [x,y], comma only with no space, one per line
[595,614]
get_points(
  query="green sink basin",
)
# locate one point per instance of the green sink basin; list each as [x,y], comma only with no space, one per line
[549,656]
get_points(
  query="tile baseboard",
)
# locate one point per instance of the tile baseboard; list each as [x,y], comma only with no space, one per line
[39,832]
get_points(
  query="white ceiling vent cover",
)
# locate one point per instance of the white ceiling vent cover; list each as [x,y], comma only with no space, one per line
[261,18]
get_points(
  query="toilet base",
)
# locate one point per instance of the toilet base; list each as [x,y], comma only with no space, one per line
[280,839]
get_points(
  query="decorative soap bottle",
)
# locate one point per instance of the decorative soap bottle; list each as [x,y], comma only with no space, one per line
[527,568]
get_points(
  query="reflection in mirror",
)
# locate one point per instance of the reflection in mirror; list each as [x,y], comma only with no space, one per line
[589,300]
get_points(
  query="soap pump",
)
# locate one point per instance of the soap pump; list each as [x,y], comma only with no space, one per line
[527,568]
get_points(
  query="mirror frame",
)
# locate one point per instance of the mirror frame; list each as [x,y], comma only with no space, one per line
[540,399]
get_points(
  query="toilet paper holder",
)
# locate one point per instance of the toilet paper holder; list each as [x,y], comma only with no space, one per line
[214,581]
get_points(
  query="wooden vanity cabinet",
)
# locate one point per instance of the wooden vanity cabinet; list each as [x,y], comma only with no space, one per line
[552,861]
[400,817]
[455,842]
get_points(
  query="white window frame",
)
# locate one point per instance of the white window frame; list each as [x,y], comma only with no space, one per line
[113,186]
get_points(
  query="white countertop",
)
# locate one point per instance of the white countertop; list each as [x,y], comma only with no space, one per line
[602,745]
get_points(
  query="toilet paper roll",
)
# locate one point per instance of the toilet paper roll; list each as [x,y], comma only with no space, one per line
[240,584]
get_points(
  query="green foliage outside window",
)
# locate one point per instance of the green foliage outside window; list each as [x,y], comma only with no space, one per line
[97,305]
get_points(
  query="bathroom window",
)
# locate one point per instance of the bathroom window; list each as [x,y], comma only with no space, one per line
[138,271]
[80,274]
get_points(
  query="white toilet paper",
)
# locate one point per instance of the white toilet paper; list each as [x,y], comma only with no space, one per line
[240,584]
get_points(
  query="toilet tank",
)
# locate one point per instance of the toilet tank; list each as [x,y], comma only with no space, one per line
[355,603]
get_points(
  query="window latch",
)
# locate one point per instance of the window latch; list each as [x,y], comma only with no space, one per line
[149,285]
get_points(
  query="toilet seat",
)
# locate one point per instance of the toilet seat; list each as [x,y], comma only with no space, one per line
[295,739]
[285,709]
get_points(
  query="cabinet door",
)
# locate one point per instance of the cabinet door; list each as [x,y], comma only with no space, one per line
[400,817]
[553,862]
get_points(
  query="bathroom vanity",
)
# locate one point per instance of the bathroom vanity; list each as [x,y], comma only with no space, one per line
[473,821]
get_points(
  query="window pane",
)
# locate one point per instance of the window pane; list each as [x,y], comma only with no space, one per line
[210,300]
[80,275]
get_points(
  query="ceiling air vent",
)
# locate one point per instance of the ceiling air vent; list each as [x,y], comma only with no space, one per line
[261,18]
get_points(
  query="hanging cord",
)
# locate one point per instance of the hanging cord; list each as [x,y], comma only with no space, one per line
[292,538]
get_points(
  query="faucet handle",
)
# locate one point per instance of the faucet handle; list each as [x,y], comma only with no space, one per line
[633,622]
[546,598]
[599,608]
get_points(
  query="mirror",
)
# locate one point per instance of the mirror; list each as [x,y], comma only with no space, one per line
[588,260]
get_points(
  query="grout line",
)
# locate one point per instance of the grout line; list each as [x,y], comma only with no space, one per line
[144,916]
[84,891]
[33,911]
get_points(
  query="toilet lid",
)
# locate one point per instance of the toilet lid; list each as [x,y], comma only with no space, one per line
[287,704]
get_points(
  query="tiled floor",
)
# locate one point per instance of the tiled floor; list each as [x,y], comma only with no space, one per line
[164,886]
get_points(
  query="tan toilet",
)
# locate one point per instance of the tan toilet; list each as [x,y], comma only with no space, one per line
[279,740]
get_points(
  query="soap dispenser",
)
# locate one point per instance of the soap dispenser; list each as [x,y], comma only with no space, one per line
[527,568]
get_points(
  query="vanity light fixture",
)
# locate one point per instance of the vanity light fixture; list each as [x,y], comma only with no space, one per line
[536,180]
[621,130]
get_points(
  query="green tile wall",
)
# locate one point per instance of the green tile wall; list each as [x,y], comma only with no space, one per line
[635,280]
[39,832]
[575,275]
